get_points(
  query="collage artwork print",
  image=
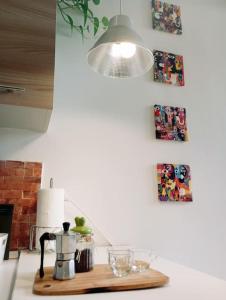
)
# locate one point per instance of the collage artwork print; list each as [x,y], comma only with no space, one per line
[168,68]
[174,182]
[170,123]
[166,17]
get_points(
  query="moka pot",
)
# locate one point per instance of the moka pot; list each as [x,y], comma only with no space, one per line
[65,250]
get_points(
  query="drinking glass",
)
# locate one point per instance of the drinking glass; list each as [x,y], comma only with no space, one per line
[117,248]
[141,259]
[120,262]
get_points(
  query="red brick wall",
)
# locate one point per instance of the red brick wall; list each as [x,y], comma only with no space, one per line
[19,184]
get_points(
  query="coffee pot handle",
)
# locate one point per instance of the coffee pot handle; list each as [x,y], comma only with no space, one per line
[45,237]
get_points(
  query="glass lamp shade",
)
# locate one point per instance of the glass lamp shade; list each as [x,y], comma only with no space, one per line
[119,52]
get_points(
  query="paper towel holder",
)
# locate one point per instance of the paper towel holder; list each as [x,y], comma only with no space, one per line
[33,231]
[51,183]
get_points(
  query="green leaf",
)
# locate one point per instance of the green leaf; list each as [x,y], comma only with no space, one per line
[96,24]
[96,2]
[85,10]
[105,21]
[90,12]
[70,21]
[81,31]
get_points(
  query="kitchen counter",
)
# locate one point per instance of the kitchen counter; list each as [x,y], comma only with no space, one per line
[7,278]
[185,283]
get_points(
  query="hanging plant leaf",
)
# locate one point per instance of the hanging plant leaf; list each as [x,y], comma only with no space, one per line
[97,2]
[96,24]
[90,12]
[85,10]
[71,10]
[81,31]
[105,21]
[70,21]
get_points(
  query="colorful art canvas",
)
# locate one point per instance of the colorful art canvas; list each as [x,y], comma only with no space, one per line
[166,17]
[170,123]
[168,68]
[174,182]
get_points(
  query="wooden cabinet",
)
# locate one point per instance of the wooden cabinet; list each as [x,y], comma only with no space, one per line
[27,54]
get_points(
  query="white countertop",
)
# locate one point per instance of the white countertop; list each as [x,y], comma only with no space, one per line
[7,277]
[185,283]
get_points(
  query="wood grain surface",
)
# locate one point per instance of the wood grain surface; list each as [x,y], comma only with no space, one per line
[100,279]
[27,51]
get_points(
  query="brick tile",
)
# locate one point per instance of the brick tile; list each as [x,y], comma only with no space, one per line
[14,164]
[29,206]
[11,201]
[32,219]
[25,210]
[25,218]
[2,183]
[37,172]
[15,228]
[20,236]
[5,171]
[19,172]
[13,179]
[28,172]
[24,229]
[14,186]
[33,208]
[2,164]
[12,183]
[23,243]
[31,187]
[18,214]
[32,179]
[32,165]
[3,186]
[12,194]
[5,201]
[14,244]
[29,195]
[17,208]
[13,172]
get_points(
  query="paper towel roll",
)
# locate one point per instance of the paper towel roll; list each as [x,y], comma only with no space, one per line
[50,207]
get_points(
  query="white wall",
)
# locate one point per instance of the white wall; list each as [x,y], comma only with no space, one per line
[101,148]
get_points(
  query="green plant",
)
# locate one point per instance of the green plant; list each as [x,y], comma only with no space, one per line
[79,16]
[81,227]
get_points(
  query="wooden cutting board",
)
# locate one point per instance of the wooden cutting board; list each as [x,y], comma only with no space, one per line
[100,279]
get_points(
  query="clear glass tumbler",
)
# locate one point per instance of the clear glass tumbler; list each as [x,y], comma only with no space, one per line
[117,248]
[120,262]
[141,259]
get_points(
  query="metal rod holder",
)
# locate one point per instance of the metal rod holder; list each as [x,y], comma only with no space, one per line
[11,89]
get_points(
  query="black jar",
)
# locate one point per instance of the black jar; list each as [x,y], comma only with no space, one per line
[84,254]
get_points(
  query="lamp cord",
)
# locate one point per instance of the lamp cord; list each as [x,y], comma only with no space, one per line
[120,7]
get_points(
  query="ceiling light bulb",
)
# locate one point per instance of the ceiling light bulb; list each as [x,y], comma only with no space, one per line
[123,50]
[119,52]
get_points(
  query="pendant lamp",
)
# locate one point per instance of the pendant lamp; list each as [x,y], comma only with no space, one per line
[119,52]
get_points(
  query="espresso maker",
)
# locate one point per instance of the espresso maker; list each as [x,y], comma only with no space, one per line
[65,253]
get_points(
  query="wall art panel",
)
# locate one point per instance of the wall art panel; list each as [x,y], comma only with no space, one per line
[174,182]
[168,68]
[170,123]
[166,17]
